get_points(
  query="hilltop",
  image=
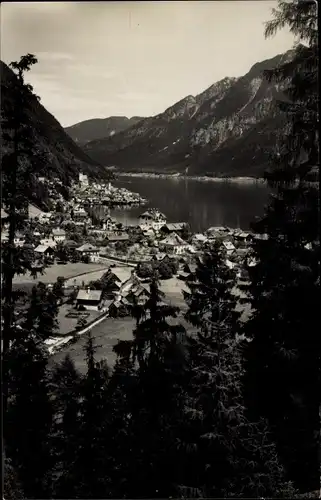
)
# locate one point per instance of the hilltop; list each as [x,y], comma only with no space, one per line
[100,128]
[63,158]
[227,130]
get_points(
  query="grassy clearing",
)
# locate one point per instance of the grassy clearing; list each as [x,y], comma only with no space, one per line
[67,325]
[106,335]
[51,274]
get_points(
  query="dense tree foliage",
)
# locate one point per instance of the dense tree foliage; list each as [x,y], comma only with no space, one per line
[183,414]
[166,268]
[17,180]
[282,368]
[29,414]
[232,456]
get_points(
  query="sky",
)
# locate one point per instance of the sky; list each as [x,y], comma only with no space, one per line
[100,59]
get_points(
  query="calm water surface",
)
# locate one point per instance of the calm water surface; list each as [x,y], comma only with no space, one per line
[201,204]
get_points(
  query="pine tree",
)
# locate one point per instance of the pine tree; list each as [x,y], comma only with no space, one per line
[41,316]
[28,419]
[282,357]
[155,406]
[227,454]
[18,161]
[121,396]
[66,385]
[213,403]
[11,487]
[93,481]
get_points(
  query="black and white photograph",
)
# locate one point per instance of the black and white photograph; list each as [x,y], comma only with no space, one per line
[160,250]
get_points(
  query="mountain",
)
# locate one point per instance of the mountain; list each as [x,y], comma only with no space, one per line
[227,130]
[63,158]
[100,128]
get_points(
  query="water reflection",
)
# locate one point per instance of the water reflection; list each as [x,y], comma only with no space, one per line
[202,204]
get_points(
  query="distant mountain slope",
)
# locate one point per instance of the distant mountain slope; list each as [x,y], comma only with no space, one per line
[64,159]
[100,128]
[226,130]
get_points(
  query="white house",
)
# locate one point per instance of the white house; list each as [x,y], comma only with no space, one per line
[229,247]
[90,250]
[91,300]
[83,179]
[50,242]
[109,223]
[81,216]
[19,239]
[199,239]
[58,235]
[152,219]
[230,264]
[45,216]
[44,250]
[174,244]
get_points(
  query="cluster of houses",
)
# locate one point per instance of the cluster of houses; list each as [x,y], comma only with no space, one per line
[95,193]
[120,291]
[153,237]
[46,232]
[123,288]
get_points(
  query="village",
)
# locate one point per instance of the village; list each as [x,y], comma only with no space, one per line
[99,267]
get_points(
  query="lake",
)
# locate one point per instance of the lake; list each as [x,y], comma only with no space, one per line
[202,204]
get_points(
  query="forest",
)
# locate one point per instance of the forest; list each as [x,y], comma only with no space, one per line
[230,412]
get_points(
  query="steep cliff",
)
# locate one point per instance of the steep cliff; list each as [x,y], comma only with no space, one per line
[62,157]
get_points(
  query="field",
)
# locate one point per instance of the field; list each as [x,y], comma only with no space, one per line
[51,274]
[108,332]
[67,325]
[123,271]
[106,335]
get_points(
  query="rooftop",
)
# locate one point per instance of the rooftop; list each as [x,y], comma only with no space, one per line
[218,229]
[4,214]
[117,237]
[94,295]
[42,248]
[122,273]
[175,226]
[87,248]
[58,232]
[34,212]
[200,237]
[153,213]
[173,239]
[228,245]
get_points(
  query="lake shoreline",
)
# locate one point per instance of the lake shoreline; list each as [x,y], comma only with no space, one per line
[238,180]
[202,204]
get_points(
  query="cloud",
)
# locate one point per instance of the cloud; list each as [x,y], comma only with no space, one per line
[133,58]
[54,56]
[137,96]
[90,71]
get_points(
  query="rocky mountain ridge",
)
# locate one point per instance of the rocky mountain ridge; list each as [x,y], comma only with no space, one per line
[227,130]
[100,128]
